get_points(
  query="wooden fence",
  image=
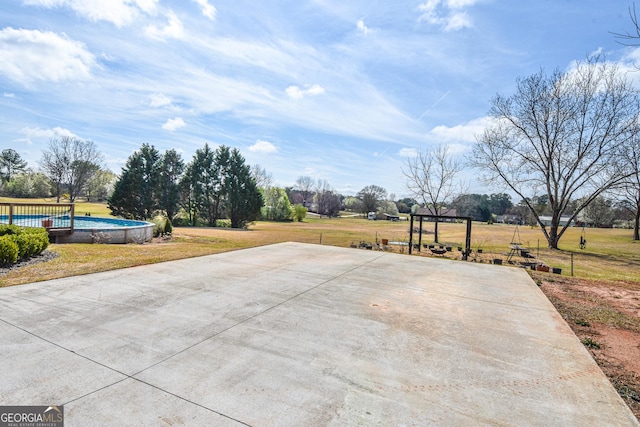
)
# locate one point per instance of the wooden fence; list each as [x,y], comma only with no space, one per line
[57,218]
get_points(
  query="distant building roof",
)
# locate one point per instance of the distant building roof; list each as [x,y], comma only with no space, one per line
[444,212]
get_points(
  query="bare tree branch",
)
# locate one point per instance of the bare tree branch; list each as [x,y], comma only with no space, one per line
[562,134]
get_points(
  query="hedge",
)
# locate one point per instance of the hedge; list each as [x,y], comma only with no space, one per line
[8,250]
[18,243]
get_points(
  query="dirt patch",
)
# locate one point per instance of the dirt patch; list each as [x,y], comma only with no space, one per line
[606,318]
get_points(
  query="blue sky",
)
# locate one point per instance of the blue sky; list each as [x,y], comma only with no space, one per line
[341,91]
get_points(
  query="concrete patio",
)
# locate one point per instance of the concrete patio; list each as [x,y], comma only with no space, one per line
[297,334]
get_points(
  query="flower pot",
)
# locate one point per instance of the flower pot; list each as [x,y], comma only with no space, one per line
[544,268]
[497,261]
[479,251]
[385,241]
[557,270]
[47,223]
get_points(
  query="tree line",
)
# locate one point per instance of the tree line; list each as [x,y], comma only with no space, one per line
[215,184]
[69,168]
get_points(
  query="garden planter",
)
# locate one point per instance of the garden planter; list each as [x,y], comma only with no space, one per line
[47,223]
[544,268]
[497,261]
[557,270]
[385,241]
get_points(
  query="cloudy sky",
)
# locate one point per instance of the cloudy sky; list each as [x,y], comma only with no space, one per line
[337,90]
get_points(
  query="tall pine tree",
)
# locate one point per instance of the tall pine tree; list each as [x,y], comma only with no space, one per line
[136,192]
[244,199]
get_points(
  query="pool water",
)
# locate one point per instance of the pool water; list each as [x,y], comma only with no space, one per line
[79,222]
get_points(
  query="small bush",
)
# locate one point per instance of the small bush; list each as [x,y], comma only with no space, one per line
[299,213]
[223,223]
[168,227]
[9,230]
[28,241]
[8,250]
[158,224]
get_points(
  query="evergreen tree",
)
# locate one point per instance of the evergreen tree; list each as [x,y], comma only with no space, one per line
[171,168]
[136,192]
[11,163]
[244,199]
[188,199]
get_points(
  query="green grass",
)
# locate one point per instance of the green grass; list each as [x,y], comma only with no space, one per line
[610,253]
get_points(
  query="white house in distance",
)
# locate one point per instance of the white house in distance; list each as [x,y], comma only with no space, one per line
[546,220]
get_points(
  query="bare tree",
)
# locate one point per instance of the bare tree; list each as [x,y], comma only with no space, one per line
[562,135]
[69,163]
[326,199]
[432,179]
[629,192]
[629,38]
[305,185]
[263,178]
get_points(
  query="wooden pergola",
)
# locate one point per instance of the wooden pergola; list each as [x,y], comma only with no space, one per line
[422,216]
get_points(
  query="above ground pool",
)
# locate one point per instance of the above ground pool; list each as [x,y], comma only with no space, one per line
[88,229]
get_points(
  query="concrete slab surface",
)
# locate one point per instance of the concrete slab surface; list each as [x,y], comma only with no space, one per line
[297,334]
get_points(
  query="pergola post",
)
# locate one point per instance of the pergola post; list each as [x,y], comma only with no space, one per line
[467,243]
[411,235]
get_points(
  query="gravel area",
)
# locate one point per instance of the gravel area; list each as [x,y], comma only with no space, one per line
[43,257]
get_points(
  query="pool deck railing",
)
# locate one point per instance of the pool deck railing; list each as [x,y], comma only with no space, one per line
[57,218]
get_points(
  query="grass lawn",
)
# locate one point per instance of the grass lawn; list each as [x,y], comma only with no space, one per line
[610,253]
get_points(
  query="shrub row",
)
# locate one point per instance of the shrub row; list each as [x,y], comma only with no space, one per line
[21,243]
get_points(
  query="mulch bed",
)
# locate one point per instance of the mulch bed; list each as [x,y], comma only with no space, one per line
[43,257]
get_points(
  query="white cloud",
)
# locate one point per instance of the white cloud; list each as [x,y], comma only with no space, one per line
[174,124]
[31,55]
[118,12]
[174,29]
[408,152]
[208,10]
[263,147]
[38,133]
[446,13]
[457,21]
[463,133]
[459,4]
[9,95]
[159,100]
[362,27]
[295,92]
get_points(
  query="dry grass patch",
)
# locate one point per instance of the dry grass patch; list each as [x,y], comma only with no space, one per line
[610,254]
